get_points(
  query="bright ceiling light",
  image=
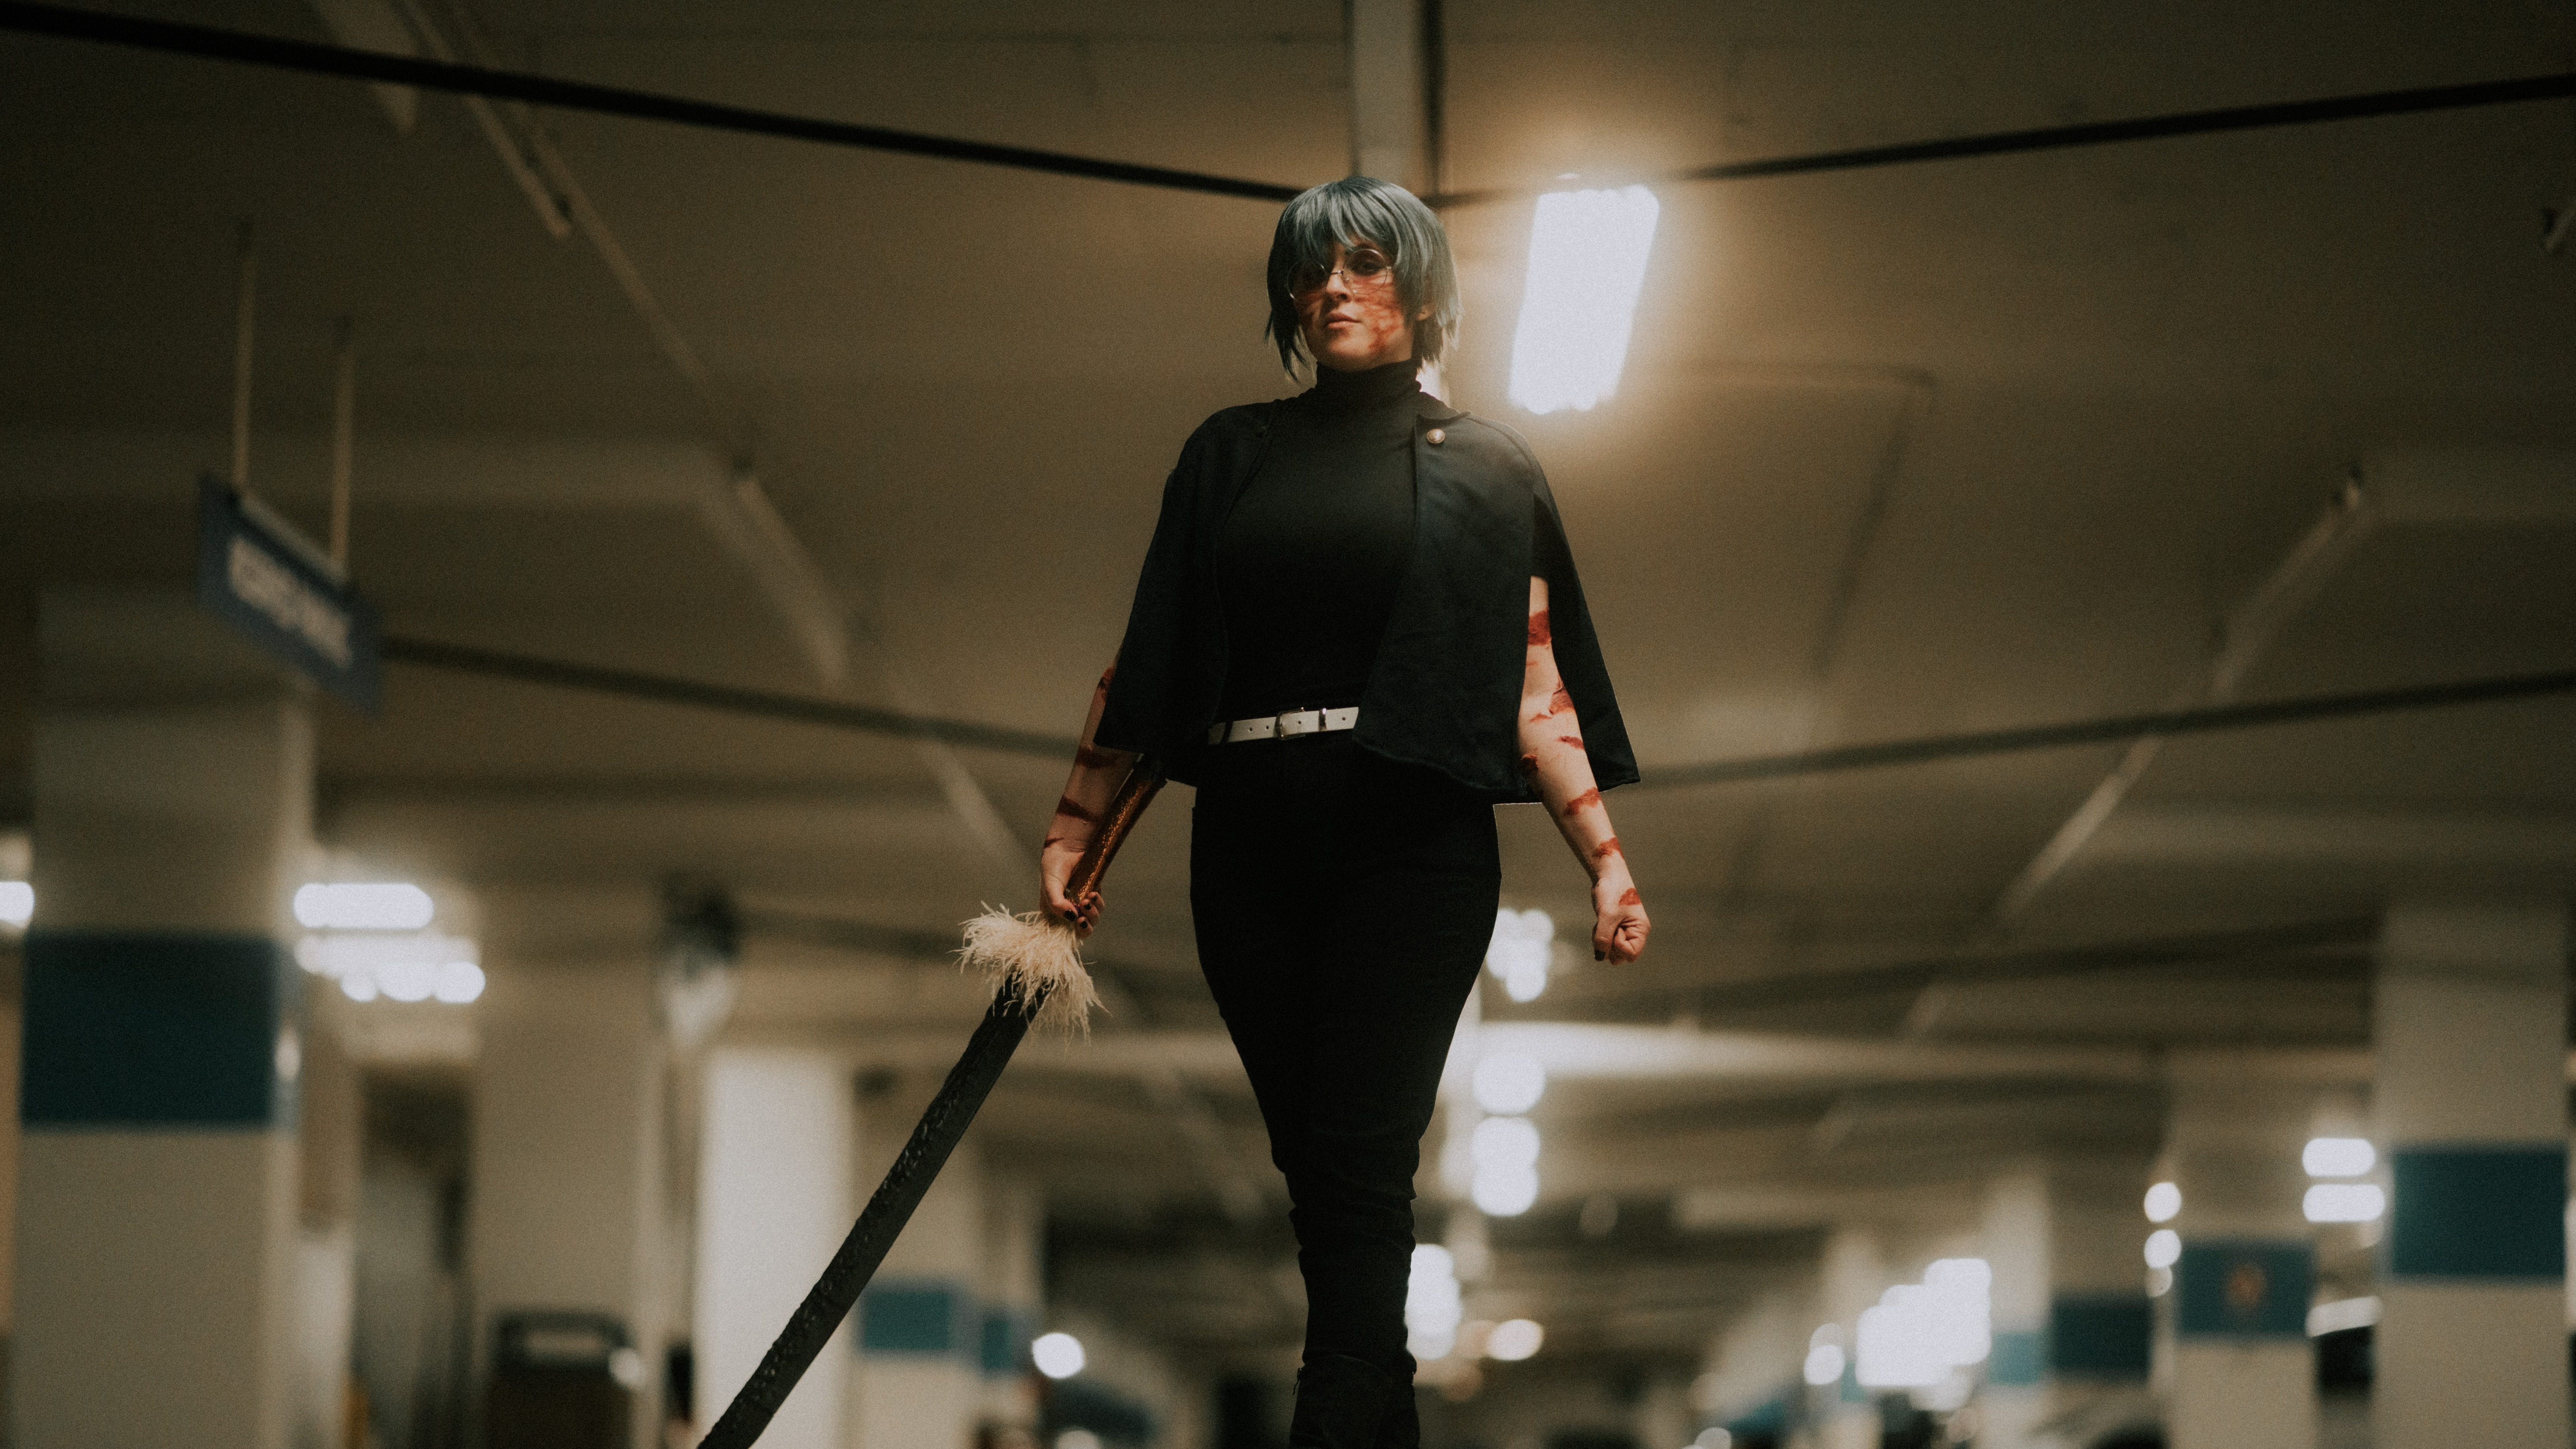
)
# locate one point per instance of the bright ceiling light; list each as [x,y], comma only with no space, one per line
[2164,1202]
[351,906]
[2344,1202]
[2164,1248]
[1509,1083]
[1057,1355]
[2338,1156]
[458,982]
[1514,1339]
[1587,260]
[1824,1364]
[1432,1305]
[17,903]
[1504,1191]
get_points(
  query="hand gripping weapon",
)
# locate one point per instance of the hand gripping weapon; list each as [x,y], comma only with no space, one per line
[1038,978]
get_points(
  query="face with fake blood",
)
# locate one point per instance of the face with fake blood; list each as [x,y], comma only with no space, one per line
[1352,317]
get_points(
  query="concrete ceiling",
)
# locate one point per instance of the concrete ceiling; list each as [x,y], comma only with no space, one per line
[1899,452]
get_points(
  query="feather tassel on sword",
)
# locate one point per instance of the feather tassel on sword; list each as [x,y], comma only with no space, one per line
[1035,965]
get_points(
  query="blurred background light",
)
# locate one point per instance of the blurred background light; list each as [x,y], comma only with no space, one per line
[399,965]
[2341,1314]
[2338,1156]
[17,903]
[1505,1142]
[1504,1191]
[1919,1334]
[1057,1355]
[2164,1202]
[1824,1364]
[2159,1282]
[352,906]
[2344,1202]
[1514,1339]
[2164,1248]
[1432,1305]
[1509,1083]
[1519,952]
[1587,260]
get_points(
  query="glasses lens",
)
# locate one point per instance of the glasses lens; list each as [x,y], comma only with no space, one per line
[1363,265]
[1307,280]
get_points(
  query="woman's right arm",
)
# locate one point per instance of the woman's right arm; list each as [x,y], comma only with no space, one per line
[1095,778]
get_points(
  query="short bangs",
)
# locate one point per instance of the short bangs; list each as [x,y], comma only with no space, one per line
[1364,209]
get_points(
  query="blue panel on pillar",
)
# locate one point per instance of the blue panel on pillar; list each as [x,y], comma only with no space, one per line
[2243,1288]
[2019,1358]
[2479,1212]
[1004,1349]
[2101,1335]
[155,1031]
[1771,1416]
[917,1317]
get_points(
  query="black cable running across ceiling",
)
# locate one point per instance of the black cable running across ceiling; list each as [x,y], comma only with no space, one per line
[804,709]
[214,43]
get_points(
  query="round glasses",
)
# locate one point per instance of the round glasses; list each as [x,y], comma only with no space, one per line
[1359,268]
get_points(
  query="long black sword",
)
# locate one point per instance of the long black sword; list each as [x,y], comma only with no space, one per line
[1018,999]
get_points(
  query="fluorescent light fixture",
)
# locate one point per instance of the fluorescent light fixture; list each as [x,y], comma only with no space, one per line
[1057,1355]
[1824,1364]
[1587,260]
[2344,1202]
[2164,1248]
[17,903]
[1504,1142]
[353,906]
[2164,1203]
[400,965]
[1504,1191]
[2338,1156]
[2341,1314]
[1509,1083]
[1514,1339]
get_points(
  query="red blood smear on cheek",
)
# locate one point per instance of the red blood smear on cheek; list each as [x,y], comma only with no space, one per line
[1538,632]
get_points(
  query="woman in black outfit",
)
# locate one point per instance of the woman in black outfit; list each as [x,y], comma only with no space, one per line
[1356,630]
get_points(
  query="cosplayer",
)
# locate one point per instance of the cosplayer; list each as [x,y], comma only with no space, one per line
[1357,630]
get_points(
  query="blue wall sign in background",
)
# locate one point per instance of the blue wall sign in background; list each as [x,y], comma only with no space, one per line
[268,584]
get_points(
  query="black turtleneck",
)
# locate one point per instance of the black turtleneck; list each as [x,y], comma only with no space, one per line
[1309,561]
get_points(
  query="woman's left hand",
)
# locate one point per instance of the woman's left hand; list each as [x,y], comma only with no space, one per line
[1619,923]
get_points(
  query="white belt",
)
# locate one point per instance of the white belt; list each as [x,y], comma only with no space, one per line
[1280,726]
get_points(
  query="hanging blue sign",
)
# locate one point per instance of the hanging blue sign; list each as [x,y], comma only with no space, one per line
[258,575]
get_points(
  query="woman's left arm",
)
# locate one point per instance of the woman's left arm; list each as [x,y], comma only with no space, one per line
[1551,742]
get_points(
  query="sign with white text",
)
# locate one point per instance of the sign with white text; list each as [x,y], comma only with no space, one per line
[258,575]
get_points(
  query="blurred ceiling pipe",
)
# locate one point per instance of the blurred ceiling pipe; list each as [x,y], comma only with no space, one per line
[2233,647]
[2427,488]
[376,25]
[218,44]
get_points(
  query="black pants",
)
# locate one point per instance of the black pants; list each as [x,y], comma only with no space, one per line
[1343,905]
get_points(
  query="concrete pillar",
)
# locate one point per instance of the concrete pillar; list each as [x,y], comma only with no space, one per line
[326,1246]
[1851,1277]
[775,1198]
[2072,1320]
[1013,1297]
[2472,1106]
[567,1164]
[2243,1373]
[172,784]
[919,1382]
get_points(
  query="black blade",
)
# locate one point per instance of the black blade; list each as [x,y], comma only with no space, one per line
[833,1294]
